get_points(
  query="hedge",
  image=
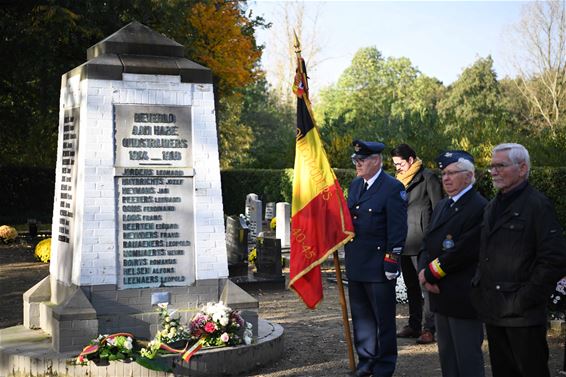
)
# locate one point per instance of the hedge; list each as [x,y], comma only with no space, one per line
[28,192]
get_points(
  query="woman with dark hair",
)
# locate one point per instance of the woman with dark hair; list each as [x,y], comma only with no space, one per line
[424,191]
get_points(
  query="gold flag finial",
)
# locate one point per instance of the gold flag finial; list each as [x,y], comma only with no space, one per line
[297,43]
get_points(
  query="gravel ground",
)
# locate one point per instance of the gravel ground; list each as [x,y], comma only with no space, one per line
[314,339]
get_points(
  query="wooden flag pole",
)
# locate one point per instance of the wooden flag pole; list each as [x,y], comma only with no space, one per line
[344,306]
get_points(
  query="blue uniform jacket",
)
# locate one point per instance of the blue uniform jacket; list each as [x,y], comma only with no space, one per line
[380,224]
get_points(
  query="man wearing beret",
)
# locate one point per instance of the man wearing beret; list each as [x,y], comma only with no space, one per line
[522,256]
[448,260]
[378,206]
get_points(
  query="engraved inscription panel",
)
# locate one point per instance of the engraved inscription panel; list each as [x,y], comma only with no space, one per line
[153,136]
[67,189]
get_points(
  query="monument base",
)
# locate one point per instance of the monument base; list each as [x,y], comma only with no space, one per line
[103,309]
[25,352]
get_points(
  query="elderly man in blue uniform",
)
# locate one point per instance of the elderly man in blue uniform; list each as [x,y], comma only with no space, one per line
[378,206]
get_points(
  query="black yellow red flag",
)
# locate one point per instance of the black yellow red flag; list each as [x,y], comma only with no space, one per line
[320,220]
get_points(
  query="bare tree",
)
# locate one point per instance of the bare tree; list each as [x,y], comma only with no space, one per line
[292,17]
[539,45]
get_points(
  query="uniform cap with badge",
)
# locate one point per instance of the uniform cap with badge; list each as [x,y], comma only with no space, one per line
[364,149]
[449,157]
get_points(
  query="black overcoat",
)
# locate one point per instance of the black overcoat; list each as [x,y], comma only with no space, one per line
[461,223]
[523,255]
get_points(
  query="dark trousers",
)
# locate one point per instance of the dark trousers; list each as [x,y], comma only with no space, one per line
[373,318]
[518,351]
[415,294]
[459,346]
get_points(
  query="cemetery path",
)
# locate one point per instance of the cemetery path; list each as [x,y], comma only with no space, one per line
[314,339]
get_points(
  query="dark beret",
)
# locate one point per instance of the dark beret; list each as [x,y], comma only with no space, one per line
[367,148]
[449,157]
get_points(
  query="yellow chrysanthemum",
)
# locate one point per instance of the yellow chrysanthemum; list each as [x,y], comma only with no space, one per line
[43,250]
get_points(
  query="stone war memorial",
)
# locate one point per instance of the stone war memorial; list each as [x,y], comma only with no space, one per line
[138,217]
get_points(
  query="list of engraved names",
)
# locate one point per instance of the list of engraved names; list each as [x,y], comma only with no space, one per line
[154,202]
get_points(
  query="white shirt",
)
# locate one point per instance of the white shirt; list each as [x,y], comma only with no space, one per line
[461,193]
[372,179]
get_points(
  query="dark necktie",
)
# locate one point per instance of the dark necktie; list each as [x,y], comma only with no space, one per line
[446,208]
[364,189]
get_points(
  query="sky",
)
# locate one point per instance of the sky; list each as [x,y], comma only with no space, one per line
[441,38]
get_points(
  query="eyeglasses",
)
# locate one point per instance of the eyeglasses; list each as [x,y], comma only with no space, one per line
[359,160]
[498,167]
[399,164]
[451,173]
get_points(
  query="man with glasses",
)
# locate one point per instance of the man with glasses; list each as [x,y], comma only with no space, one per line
[522,256]
[378,206]
[447,263]
[424,192]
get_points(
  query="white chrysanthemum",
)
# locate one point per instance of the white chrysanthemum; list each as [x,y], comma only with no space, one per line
[224,321]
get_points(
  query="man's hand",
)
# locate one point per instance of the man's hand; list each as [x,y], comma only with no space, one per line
[391,266]
[432,288]
[422,278]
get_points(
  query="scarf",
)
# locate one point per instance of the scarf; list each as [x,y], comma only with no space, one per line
[407,177]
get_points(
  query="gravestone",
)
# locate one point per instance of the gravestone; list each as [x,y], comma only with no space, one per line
[283,229]
[32,228]
[268,260]
[138,212]
[254,214]
[269,211]
[237,246]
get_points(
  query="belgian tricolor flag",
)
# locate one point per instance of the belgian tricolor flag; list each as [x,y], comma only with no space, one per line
[320,220]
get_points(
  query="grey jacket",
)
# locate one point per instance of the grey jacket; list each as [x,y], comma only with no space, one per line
[424,192]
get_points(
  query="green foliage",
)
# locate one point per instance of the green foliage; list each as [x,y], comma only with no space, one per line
[471,112]
[380,99]
[273,128]
[235,138]
[550,181]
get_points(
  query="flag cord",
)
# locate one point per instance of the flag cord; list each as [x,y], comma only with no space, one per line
[345,321]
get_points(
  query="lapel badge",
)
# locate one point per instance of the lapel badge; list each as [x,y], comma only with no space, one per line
[448,242]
